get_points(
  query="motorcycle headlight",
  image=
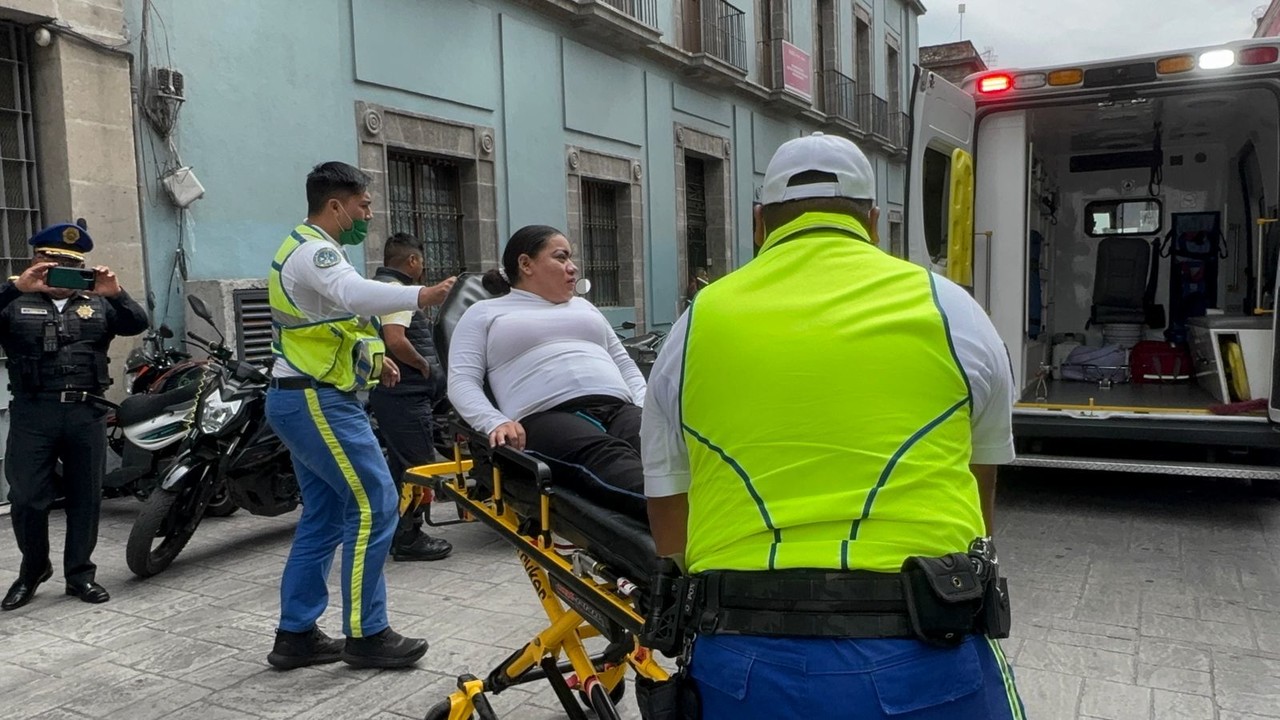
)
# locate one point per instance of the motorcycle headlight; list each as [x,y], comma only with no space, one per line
[215,413]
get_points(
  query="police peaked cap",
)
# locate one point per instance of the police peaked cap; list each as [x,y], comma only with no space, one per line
[62,240]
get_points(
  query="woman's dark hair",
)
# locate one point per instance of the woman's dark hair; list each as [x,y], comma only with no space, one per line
[528,240]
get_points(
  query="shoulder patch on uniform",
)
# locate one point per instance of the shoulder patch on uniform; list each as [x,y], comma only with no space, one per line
[327,258]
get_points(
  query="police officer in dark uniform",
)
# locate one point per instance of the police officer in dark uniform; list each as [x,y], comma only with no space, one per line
[404,411]
[56,342]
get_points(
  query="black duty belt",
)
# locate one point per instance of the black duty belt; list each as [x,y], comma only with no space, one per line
[66,397]
[301,383]
[805,603]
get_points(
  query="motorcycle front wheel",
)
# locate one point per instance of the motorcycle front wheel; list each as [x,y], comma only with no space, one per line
[221,504]
[169,517]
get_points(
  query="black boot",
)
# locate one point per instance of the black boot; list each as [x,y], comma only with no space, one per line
[387,649]
[300,649]
[420,547]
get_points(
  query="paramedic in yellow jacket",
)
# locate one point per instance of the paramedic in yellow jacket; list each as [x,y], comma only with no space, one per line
[814,419]
[326,348]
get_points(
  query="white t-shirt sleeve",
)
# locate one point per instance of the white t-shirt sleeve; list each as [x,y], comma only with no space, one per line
[631,374]
[985,360]
[662,445]
[467,364]
[340,284]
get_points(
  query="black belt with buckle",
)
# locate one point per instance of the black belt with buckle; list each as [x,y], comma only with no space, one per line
[301,383]
[805,603]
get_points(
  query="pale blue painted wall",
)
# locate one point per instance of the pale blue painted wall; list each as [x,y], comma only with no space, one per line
[272,90]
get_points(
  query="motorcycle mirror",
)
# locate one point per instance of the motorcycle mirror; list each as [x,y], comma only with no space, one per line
[628,325]
[199,308]
[582,287]
[165,332]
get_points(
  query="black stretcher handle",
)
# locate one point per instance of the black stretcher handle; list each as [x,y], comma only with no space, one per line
[508,455]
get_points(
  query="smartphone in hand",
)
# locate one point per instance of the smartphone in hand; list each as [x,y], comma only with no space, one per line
[71,278]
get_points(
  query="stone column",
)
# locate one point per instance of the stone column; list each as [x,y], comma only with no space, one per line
[83,113]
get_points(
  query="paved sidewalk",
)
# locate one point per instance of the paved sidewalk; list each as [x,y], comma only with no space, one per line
[1133,597]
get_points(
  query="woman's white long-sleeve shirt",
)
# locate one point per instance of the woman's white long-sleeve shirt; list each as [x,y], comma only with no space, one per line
[537,355]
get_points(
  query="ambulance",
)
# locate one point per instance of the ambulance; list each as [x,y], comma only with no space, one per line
[1117,221]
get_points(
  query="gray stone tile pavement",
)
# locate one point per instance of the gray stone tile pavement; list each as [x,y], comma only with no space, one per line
[1151,598]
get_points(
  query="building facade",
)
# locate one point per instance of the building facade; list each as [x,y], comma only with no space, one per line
[642,128]
[1268,22]
[953,61]
[67,140]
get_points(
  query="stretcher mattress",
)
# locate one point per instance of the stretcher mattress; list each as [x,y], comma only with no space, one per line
[608,523]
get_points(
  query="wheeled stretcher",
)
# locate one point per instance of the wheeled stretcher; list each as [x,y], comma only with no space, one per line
[597,589]
[594,590]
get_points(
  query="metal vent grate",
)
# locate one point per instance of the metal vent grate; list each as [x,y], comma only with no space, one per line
[253,325]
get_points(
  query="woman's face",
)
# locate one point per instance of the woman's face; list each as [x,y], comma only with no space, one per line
[551,273]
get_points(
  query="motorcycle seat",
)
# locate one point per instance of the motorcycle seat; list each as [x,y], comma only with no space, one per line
[137,408]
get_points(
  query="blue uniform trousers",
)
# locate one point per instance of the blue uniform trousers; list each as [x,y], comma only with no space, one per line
[744,677]
[347,497]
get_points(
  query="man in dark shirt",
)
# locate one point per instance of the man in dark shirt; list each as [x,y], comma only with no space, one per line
[404,412]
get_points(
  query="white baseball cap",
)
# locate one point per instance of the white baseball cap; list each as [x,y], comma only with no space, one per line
[818,153]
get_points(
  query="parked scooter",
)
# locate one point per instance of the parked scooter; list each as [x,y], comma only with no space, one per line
[162,392]
[229,444]
[644,348]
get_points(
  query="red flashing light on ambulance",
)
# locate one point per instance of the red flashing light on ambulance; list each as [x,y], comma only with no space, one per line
[995,83]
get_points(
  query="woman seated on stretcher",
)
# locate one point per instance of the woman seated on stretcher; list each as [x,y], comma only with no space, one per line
[564,385]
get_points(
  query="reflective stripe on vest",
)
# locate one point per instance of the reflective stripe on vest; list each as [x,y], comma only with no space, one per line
[825,411]
[345,351]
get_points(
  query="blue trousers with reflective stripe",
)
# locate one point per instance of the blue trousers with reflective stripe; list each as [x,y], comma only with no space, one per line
[744,678]
[348,498]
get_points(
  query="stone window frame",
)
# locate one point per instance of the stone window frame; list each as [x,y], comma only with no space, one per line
[893,85]
[711,149]
[627,173]
[383,129]
[863,13]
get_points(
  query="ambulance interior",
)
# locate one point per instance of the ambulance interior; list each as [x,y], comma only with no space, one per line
[1182,179]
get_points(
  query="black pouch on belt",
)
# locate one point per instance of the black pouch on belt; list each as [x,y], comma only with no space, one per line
[996,620]
[944,597]
[675,698]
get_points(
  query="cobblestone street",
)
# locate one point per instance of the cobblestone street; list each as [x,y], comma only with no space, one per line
[1148,598]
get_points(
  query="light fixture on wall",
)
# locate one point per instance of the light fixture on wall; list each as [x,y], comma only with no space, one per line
[42,37]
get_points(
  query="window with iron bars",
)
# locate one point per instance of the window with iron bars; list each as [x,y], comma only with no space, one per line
[426,201]
[19,203]
[600,241]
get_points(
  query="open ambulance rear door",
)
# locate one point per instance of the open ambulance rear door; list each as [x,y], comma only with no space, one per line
[940,179]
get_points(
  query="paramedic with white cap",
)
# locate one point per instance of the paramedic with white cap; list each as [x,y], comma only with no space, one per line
[820,442]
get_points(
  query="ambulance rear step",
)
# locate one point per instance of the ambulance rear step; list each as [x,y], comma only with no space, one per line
[1156,467]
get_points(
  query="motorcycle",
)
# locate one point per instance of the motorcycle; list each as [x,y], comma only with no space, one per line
[644,348]
[162,391]
[230,444]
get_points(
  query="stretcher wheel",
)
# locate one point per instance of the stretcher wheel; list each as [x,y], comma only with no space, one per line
[439,711]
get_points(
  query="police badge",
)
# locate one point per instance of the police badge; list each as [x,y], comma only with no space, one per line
[85,311]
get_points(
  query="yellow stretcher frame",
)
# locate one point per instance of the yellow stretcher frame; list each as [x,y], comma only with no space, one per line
[599,679]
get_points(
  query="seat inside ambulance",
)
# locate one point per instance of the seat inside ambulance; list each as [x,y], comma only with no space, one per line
[1120,280]
[1107,183]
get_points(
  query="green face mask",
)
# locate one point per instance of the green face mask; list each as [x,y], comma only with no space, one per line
[356,234]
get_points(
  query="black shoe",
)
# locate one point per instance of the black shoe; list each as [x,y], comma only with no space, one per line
[387,649]
[22,590]
[88,591]
[300,649]
[423,547]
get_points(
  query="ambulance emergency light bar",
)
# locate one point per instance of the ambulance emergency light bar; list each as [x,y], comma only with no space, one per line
[1127,73]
